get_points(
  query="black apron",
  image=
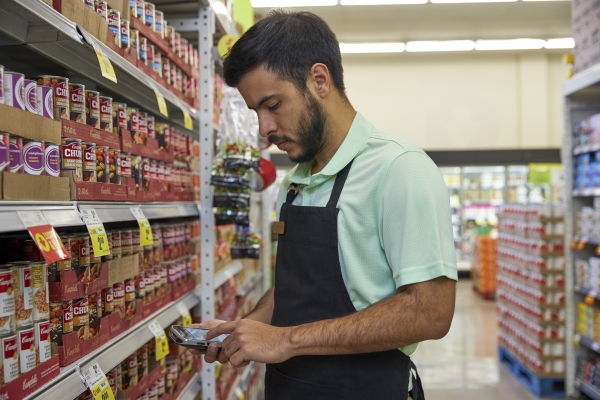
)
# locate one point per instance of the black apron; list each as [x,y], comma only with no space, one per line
[309,287]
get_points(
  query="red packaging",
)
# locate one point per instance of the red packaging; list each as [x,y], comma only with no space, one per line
[26,343]
[151,127]
[125,164]
[77,102]
[102,164]
[106,110]
[92,108]
[120,115]
[88,151]
[107,297]
[9,359]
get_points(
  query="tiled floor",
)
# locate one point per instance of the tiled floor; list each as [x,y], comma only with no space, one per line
[464,365]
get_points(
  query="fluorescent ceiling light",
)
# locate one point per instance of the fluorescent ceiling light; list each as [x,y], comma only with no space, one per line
[471,1]
[347,48]
[379,2]
[446,45]
[511,44]
[563,43]
[292,3]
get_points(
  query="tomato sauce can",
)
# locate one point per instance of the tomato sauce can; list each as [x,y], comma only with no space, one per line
[60,87]
[92,108]
[30,95]
[41,331]
[88,152]
[114,166]
[77,103]
[106,119]
[61,320]
[95,312]
[107,301]
[52,159]
[14,90]
[9,358]
[114,24]
[45,99]
[4,151]
[102,8]
[33,157]
[39,284]
[102,164]
[119,299]
[23,294]
[70,151]
[120,116]
[81,318]
[16,155]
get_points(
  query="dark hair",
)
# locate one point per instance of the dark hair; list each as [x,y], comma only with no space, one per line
[288,44]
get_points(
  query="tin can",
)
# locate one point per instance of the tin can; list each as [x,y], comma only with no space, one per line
[146,173]
[88,151]
[60,88]
[95,312]
[159,23]
[112,381]
[41,331]
[125,39]
[95,265]
[9,358]
[150,55]
[16,155]
[143,55]
[133,8]
[4,151]
[140,286]
[127,242]
[120,116]
[23,294]
[115,244]
[153,169]
[102,164]
[81,264]
[173,74]
[177,44]
[117,372]
[92,108]
[157,281]
[137,171]
[157,62]
[106,119]
[142,361]
[134,40]
[133,120]
[71,164]
[143,128]
[125,164]
[135,240]
[163,135]
[129,376]
[61,320]
[30,95]
[39,284]
[77,102]
[107,301]
[89,3]
[161,388]
[150,12]
[45,101]
[114,24]
[33,157]
[169,34]
[114,166]
[1,86]
[52,159]
[184,50]
[139,5]
[119,299]
[151,127]
[166,69]
[130,303]
[14,90]
[152,393]
[26,343]
[149,283]
[102,8]
[81,318]
[160,171]
[178,79]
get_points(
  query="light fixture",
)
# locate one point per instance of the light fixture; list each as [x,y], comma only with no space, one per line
[445,45]
[379,2]
[562,43]
[511,44]
[471,1]
[292,3]
[390,47]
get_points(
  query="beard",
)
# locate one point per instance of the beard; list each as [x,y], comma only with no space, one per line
[310,131]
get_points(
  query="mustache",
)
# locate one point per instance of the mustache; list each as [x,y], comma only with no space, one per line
[276,139]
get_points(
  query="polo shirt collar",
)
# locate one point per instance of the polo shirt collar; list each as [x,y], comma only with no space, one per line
[359,132]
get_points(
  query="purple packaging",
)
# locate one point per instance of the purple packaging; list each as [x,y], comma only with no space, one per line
[52,159]
[30,95]
[45,102]
[16,155]
[14,90]
[33,157]
[4,154]
[1,84]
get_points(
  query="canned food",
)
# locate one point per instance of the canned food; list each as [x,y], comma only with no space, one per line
[77,102]
[4,151]
[139,5]
[52,159]
[133,121]
[114,166]
[134,40]
[160,171]
[166,69]
[178,79]
[163,135]
[39,283]
[92,108]
[135,239]
[42,341]
[9,359]
[61,320]
[33,157]
[95,312]
[117,372]
[119,299]
[129,376]
[114,24]
[137,172]
[146,175]
[163,274]
[153,168]
[30,95]
[7,300]
[127,242]
[107,301]
[81,318]
[130,304]
[44,100]
[88,151]
[125,42]
[112,381]
[142,361]
[152,393]
[23,294]
[151,127]
[159,23]
[142,135]
[60,87]
[95,265]
[150,55]
[89,3]
[150,12]
[125,164]
[1,90]
[106,119]
[102,8]
[140,286]
[26,341]
[161,388]
[71,158]
[102,164]
[177,44]
[143,55]
[157,62]
[16,155]
[14,90]
[120,116]
[156,279]
[133,8]
[115,244]
[149,282]
[184,50]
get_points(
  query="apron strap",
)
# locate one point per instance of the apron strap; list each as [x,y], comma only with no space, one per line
[292,193]
[340,180]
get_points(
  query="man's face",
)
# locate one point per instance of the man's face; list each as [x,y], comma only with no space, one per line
[295,122]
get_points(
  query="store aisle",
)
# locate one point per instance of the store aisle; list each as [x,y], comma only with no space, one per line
[464,365]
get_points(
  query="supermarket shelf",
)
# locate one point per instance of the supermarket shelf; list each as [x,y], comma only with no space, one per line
[584,85]
[224,20]
[589,390]
[120,212]
[250,282]
[588,342]
[226,273]
[68,384]
[241,381]
[58,214]
[192,389]
[586,149]
[586,192]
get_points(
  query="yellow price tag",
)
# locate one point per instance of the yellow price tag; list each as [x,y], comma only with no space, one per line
[162,104]
[187,319]
[162,346]
[225,44]
[187,120]
[102,391]
[185,314]
[105,65]
[98,383]
[97,232]
[145,229]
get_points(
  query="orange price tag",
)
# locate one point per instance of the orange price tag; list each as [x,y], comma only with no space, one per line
[590,298]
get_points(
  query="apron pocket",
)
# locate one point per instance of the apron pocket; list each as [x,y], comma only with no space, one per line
[282,387]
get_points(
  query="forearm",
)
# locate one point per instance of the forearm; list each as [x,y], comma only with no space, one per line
[422,312]
[263,312]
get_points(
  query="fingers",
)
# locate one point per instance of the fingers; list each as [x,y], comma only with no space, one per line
[195,352]
[226,327]
[208,324]
[238,360]
[212,353]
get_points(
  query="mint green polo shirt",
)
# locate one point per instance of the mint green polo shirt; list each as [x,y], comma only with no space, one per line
[394,224]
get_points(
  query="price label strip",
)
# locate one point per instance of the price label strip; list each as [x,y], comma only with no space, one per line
[162,104]
[44,236]
[162,346]
[185,314]
[97,232]
[97,382]
[105,65]
[145,229]
[187,120]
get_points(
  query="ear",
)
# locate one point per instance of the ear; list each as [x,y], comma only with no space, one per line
[319,80]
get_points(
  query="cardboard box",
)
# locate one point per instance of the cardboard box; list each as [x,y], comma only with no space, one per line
[28,125]
[122,6]
[69,288]
[31,381]
[72,129]
[73,349]
[122,268]
[84,16]
[93,191]
[33,187]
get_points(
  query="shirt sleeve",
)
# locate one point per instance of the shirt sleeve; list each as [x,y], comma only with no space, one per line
[416,221]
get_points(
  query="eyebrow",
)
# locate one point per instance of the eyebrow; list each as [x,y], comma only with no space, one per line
[264,100]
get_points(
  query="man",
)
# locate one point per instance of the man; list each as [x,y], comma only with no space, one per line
[365,263]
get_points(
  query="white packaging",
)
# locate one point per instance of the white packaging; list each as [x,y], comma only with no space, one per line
[9,359]
[26,343]
[42,340]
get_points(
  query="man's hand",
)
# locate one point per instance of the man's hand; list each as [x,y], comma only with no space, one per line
[211,354]
[252,341]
